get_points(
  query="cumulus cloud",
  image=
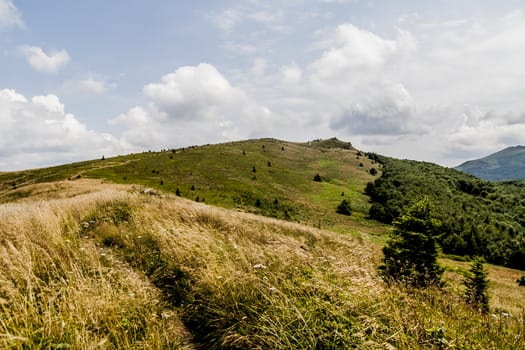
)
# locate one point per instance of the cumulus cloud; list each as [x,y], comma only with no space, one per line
[479,132]
[39,132]
[45,62]
[350,80]
[385,109]
[9,15]
[194,103]
[350,51]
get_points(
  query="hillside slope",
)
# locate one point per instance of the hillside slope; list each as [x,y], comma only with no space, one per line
[267,176]
[111,267]
[507,164]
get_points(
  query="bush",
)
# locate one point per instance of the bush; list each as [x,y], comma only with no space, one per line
[344,208]
[318,178]
[373,171]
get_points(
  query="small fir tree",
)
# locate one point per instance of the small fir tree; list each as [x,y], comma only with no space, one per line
[521,281]
[410,255]
[344,208]
[477,284]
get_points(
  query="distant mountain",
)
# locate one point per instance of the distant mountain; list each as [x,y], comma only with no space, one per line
[507,164]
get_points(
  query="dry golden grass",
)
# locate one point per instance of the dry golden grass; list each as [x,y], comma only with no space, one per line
[58,289]
[98,266]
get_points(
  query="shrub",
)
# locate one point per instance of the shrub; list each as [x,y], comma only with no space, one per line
[344,208]
[317,178]
[373,171]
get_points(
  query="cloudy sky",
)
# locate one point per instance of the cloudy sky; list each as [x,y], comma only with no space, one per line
[442,81]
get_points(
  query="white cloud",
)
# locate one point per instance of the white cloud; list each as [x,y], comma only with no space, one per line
[351,50]
[45,62]
[11,95]
[50,103]
[479,132]
[227,19]
[383,109]
[194,104]
[88,86]
[291,74]
[253,12]
[9,15]
[259,66]
[240,48]
[95,86]
[39,132]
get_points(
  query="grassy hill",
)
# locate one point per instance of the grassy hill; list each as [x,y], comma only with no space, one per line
[507,164]
[111,267]
[267,176]
[105,254]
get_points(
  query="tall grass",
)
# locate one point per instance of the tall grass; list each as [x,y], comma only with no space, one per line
[112,269]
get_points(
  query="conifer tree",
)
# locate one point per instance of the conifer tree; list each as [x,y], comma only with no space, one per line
[410,255]
[477,285]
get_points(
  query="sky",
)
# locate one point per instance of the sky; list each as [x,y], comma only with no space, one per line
[439,81]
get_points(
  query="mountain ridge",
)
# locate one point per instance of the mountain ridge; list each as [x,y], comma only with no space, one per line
[506,164]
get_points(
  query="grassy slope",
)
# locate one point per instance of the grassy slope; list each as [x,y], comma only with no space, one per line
[109,268]
[221,175]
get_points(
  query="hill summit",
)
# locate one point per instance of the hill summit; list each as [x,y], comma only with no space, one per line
[507,164]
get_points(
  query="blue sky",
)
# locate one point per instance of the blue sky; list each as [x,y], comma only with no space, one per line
[441,81]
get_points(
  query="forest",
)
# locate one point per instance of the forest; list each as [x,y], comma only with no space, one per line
[479,218]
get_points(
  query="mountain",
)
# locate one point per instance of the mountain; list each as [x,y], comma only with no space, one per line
[507,164]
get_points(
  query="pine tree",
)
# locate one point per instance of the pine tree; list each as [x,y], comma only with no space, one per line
[344,208]
[477,284]
[410,255]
